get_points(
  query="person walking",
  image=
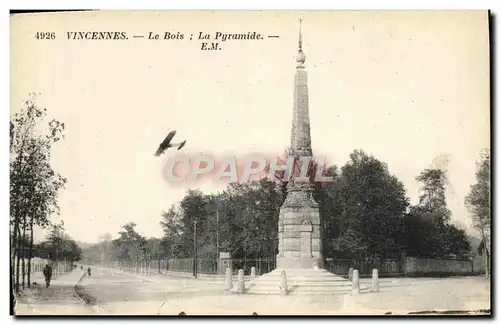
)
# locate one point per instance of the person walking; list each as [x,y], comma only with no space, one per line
[47,273]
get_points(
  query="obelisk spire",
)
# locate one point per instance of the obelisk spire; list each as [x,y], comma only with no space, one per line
[301,137]
[300,35]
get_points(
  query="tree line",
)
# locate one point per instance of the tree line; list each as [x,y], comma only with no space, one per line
[34,188]
[365,212]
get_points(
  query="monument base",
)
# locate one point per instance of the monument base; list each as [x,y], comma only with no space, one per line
[283,262]
[300,281]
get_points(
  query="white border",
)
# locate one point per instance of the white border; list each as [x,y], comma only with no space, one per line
[189,5]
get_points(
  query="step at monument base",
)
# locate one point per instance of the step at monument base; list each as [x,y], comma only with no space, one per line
[300,282]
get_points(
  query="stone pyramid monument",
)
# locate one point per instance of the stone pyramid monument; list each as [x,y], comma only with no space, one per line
[299,223]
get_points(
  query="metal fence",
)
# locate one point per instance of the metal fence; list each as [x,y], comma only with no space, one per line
[204,266]
[37,265]
[387,267]
[207,266]
[24,273]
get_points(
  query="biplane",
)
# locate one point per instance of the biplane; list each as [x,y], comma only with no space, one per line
[167,143]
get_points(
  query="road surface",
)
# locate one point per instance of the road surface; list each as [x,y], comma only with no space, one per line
[111,292]
[115,292]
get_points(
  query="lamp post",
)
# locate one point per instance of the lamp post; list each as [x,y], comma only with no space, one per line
[195,261]
[217,230]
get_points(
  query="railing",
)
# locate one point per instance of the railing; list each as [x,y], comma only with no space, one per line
[204,266]
[24,273]
[37,265]
[387,267]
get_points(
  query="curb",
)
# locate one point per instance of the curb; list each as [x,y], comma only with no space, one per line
[75,288]
[87,298]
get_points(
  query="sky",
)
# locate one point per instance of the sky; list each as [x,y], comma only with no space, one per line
[410,88]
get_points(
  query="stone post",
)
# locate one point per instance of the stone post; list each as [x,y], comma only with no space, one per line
[252,272]
[229,279]
[283,284]
[375,286]
[241,281]
[355,282]
[350,273]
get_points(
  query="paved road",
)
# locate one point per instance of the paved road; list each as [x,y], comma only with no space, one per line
[112,291]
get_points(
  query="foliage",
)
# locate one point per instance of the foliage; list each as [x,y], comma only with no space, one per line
[58,247]
[428,229]
[130,245]
[246,226]
[369,208]
[478,199]
[30,171]
[478,202]
[432,200]
[34,185]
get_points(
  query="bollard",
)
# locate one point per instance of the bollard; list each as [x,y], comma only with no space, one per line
[350,273]
[229,279]
[355,282]
[252,272]
[241,281]
[375,285]
[283,284]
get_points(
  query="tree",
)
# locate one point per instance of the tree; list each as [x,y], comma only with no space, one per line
[370,208]
[247,227]
[329,209]
[433,199]
[478,201]
[172,233]
[457,244]
[34,185]
[419,233]
[428,229]
[130,245]
[252,217]
[59,246]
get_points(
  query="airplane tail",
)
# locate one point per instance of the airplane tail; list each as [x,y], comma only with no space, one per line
[178,145]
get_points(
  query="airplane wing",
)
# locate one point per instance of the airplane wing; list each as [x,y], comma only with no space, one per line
[169,137]
[166,143]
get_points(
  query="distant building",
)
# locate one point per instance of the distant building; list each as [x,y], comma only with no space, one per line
[482,252]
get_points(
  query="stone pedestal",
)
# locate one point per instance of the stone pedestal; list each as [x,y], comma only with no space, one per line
[299,232]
